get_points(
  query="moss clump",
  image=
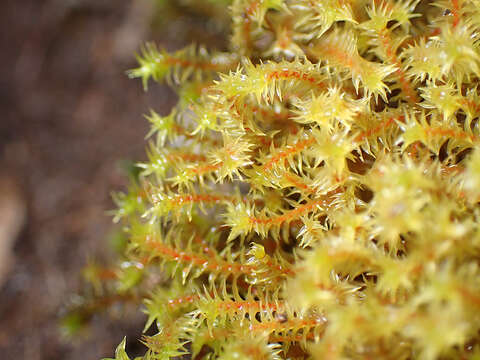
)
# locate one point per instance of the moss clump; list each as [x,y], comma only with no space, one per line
[314,194]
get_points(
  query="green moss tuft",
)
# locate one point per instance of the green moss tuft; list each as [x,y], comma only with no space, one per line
[315,196]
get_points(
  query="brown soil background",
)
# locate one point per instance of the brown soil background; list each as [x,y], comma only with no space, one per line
[69,116]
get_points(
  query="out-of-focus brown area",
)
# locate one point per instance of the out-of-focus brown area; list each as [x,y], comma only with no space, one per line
[69,116]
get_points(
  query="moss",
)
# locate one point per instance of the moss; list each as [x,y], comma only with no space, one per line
[315,192]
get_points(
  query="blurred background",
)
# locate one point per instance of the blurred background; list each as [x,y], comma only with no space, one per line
[70,121]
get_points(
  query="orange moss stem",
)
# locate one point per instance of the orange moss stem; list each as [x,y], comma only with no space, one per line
[405,85]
